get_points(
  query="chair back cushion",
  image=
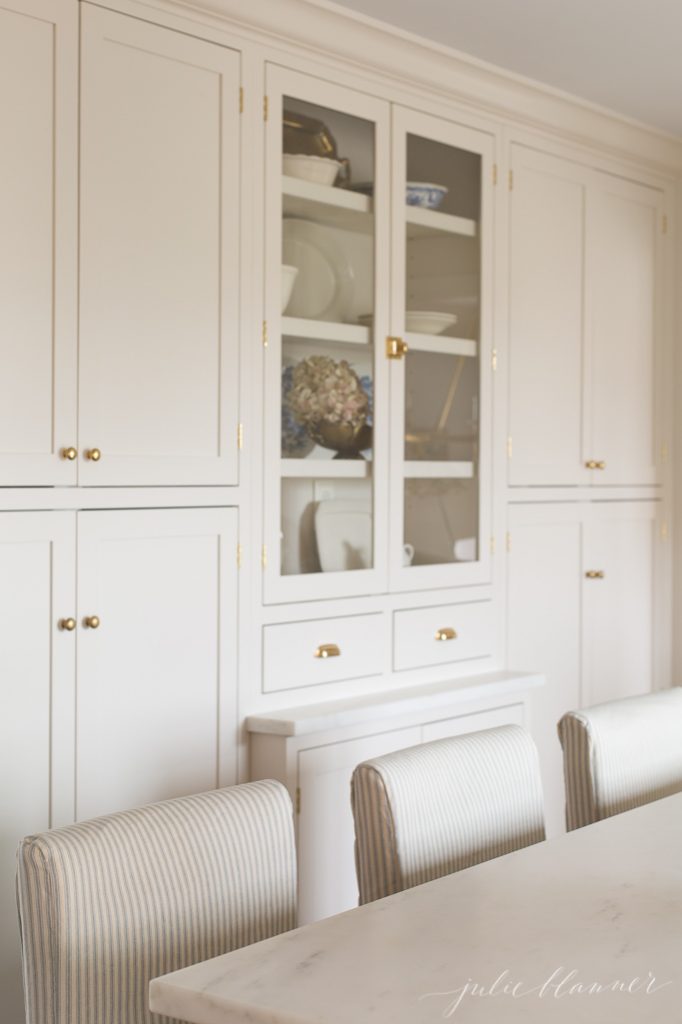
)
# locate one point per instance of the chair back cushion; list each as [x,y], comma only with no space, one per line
[621,755]
[439,807]
[106,905]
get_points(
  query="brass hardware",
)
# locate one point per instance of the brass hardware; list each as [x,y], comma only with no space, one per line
[91,622]
[511,180]
[265,334]
[240,436]
[447,633]
[509,447]
[494,174]
[601,465]
[595,574]
[264,557]
[69,453]
[265,108]
[298,800]
[241,99]
[94,454]
[327,651]
[68,624]
[239,556]
[396,348]
[492,545]
[590,464]
[493,360]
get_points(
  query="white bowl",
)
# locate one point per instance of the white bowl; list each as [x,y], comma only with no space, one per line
[320,169]
[289,275]
[425,194]
[427,322]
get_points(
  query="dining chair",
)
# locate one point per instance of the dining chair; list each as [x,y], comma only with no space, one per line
[621,754]
[436,808]
[108,904]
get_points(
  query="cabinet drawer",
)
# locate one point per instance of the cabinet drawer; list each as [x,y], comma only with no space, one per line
[321,651]
[466,631]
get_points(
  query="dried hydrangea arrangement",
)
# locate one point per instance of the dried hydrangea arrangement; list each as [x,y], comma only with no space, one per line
[326,391]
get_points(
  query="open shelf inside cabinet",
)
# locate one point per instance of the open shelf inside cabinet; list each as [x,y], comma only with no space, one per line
[437,343]
[422,222]
[418,469]
[326,204]
[325,330]
[325,468]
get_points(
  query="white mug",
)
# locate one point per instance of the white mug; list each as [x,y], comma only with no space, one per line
[464,549]
[408,554]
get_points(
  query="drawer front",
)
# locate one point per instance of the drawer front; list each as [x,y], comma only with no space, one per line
[321,651]
[442,634]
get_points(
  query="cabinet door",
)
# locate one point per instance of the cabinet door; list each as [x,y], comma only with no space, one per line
[38,214]
[625,255]
[160,145]
[544,627]
[37,671]
[619,605]
[440,371]
[326,834]
[546,319]
[446,728]
[156,677]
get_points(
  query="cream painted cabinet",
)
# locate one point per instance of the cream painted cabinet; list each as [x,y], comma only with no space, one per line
[159,256]
[581,586]
[585,327]
[37,677]
[38,240]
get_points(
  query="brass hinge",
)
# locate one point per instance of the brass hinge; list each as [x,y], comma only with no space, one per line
[509,447]
[265,108]
[664,224]
[241,99]
[239,556]
[664,531]
[240,436]
[511,180]
[492,545]
[508,541]
[264,557]
[265,334]
[494,174]
[493,360]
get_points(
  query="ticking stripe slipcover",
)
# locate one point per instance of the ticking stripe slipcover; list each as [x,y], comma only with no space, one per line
[108,904]
[621,755]
[439,807]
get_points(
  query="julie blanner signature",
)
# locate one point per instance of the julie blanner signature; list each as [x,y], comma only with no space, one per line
[561,984]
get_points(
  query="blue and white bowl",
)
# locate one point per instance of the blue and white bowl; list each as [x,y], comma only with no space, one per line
[425,194]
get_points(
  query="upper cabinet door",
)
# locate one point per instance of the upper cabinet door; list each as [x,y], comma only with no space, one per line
[439,352]
[326,312]
[38,251]
[625,251]
[159,317]
[546,320]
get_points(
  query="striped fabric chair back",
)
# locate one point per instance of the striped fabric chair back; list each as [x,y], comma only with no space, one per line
[621,755]
[439,807]
[106,905]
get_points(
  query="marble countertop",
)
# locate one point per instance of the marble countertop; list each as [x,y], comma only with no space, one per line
[584,928]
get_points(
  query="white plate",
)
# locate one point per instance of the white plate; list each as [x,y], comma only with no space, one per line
[343,529]
[324,286]
[428,322]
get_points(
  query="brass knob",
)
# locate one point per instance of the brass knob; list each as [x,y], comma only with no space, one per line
[396,348]
[595,574]
[68,624]
[591,464]
[91,622]
[94,454]
[327,651]
[601,465]
[69,453]
[448,633]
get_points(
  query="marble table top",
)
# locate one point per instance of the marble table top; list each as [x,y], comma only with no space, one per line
[584,928]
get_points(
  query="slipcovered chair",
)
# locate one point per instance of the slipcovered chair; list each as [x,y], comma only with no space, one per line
[439,807]
[108,904]
[621,754]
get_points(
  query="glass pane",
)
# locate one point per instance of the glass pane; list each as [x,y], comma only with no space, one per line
[327,394]
[441,521]
[442,367]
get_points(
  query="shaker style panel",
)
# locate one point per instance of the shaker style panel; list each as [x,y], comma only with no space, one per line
[160,151]
[38,243]
[445,633]
[322,651]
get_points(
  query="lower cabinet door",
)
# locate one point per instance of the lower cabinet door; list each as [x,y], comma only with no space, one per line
[156,686]
[37,661]
[326,834]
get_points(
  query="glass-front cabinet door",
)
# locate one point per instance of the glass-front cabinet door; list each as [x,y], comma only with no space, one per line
[439,351]
[326,317]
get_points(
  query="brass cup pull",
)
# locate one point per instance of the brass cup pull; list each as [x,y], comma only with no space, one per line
[69,453]
[396,348]
[91,622]
[94,454]
[448,633]
[595,574]
[328,651]
[68,624]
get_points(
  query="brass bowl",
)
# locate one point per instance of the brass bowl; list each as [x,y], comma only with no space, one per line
[343,438]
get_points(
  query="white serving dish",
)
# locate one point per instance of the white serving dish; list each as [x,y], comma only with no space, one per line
[320,169]
[325,282]
[289,275]
[343,530]
[427,322]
